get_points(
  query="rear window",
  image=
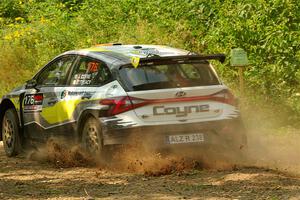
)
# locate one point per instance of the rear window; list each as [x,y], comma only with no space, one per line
[168,76]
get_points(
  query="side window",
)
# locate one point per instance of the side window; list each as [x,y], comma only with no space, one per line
[56,73]
[90,72]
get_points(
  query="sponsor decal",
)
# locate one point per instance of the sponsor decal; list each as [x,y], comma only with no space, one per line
[180,94]
[146,51]
[83,94]
[33,102]
[82,79]
[135,61]
[179,111]
[63,94]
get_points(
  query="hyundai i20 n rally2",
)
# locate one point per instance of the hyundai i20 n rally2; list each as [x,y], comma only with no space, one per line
[107,95]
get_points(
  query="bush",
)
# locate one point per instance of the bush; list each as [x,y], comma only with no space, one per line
[267,30]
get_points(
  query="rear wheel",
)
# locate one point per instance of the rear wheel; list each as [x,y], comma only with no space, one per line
[92,139]
[11,133]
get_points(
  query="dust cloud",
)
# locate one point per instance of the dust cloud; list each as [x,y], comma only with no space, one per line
[272,143]
[61,154]
[134,158]
[274,149]
[267,148]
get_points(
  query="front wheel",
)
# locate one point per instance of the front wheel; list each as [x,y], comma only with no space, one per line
[11,133]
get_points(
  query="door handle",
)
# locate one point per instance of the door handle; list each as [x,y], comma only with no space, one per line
[86,96]
[52,101]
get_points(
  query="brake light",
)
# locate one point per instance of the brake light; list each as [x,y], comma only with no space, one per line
[225,96]
[122,104]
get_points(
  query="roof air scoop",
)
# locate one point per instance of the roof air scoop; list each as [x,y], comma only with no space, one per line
[152,55]
[137,47]
[108,44]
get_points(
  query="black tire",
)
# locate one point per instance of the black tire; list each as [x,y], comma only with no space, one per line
[92,138]
[11,133]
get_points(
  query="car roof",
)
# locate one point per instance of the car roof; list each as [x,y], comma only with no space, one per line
[116,55]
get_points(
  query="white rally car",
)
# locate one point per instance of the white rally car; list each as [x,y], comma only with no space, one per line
[114,94]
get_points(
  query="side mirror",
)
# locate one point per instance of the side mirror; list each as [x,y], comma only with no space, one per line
[31,84]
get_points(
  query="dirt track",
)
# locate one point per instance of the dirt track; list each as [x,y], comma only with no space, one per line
[21,178]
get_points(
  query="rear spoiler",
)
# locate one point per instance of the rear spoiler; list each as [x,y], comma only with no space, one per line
[154,60]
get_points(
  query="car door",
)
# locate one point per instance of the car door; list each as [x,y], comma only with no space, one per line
[42,105]
[89,81]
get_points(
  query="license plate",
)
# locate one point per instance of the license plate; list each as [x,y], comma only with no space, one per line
[187,138]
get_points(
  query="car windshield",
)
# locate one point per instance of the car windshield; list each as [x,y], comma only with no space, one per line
[168,76]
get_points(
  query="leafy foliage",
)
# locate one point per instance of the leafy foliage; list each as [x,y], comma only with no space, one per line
[267,30]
